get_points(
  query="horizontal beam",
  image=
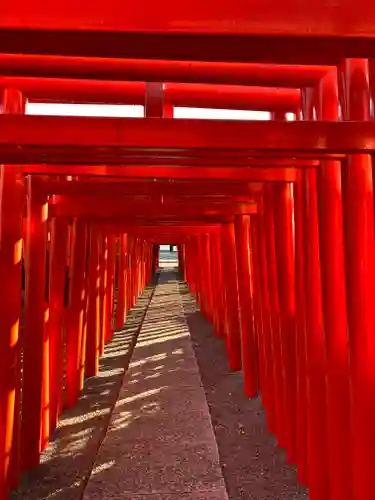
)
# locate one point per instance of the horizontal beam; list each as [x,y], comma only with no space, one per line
[326,43]
[40,137]
[65,206]
[194,17]
[245,174]
[153,231]
[176,94]
[146,160]
[167,222]
[121,188]
[263,75]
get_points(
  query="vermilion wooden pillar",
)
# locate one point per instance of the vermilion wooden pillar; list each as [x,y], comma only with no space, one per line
[184,261]
[136,271]
[217,285]
[181,260]
[93,315]
[318,476]
[274,348]
[122,289]
[77,304]
[260,245]
[301,411]
[150,262]
[58,264]
[208,274]
[35,344]
[316,369]
[141,266]
[285,257]
[229,268]
[194,267]
[201,276]
[156,249]
[130,272]
[103,292]
[12,192]
[145,263]
[358,198]
[189,274]
[110,286]
[245,289]
[334,306]
[285,269]
[260,330]
[137,254]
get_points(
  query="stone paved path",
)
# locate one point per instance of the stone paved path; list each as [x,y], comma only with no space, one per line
[160,443]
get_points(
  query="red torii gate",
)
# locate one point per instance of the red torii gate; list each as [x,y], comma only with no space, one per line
[311,235]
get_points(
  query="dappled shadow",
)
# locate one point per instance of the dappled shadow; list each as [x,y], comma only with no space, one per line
[67,462]
[160,440]
[254,467]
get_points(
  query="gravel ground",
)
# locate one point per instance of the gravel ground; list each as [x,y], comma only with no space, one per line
[254,468]
[68,461]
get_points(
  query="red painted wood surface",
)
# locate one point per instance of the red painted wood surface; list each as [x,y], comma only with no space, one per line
[274,220]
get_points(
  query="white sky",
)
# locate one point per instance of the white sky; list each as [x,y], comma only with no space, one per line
[33,108]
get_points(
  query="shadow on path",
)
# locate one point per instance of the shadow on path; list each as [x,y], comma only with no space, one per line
[254,467]
[67,462]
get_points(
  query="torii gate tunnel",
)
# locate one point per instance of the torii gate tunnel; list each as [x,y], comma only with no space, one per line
[274,220]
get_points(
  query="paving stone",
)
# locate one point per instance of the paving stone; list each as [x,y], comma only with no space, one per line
[160,442]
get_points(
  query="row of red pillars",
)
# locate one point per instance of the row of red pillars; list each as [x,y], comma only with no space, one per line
[290,291]
[54,329]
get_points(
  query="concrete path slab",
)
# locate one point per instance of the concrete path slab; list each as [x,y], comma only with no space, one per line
[160,443]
